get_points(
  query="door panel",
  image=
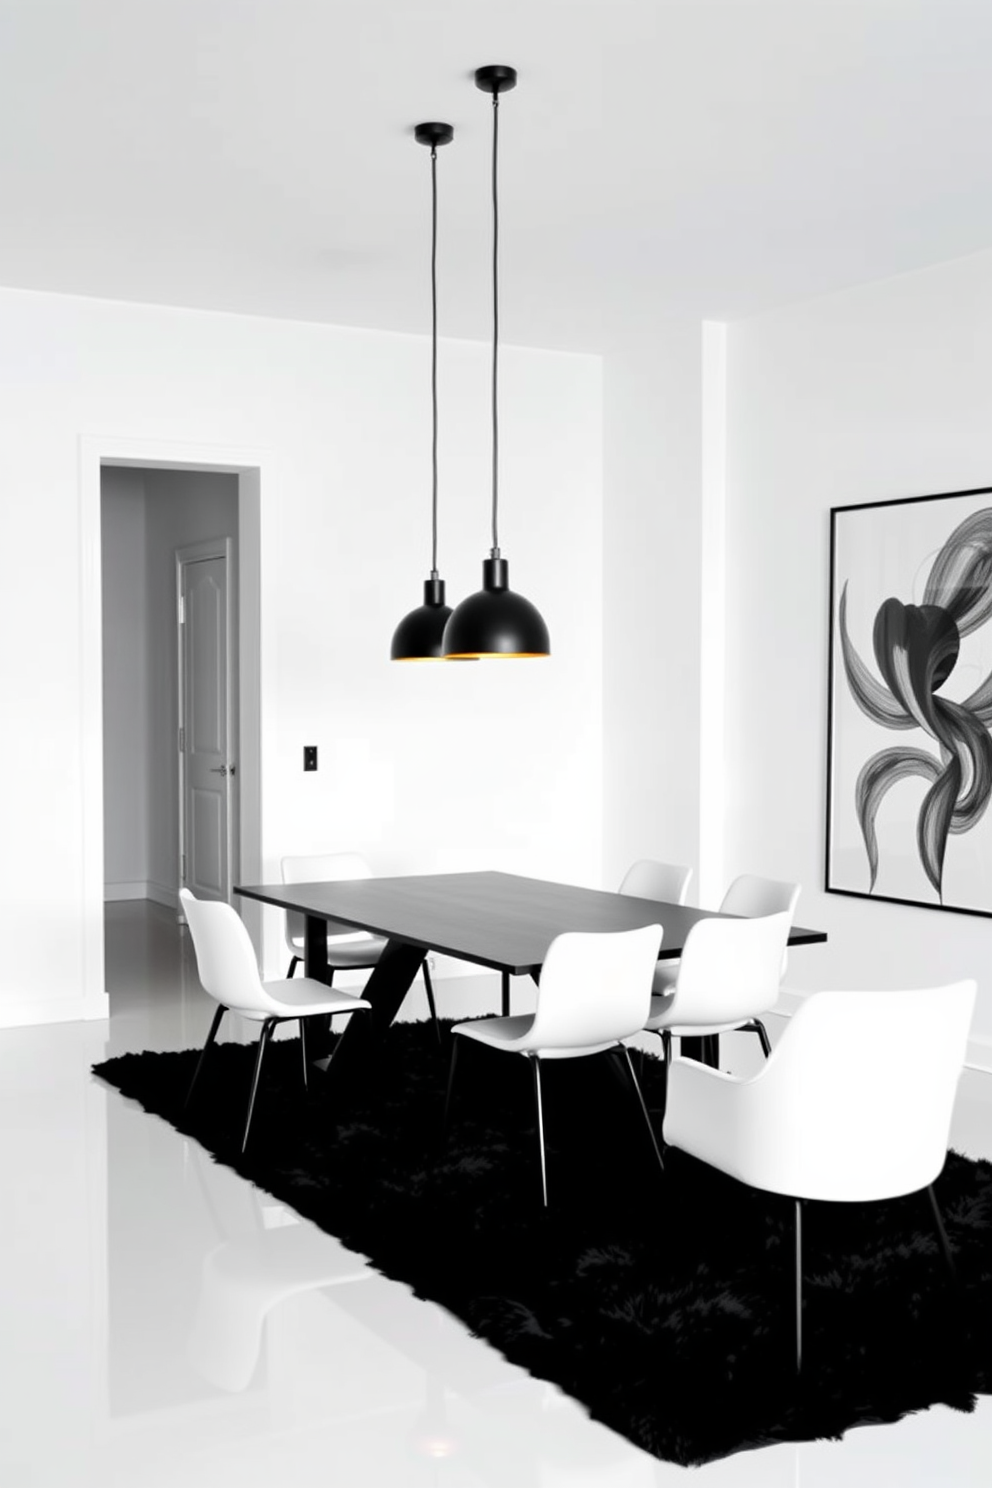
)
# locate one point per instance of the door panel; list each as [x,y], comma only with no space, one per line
[206,605]
[206,838]
[205,711]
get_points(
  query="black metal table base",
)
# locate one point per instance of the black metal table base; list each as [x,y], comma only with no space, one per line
[389,981]
[705,1050]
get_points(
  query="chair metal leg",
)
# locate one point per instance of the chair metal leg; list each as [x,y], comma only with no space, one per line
[964,1345]
[294,963]
[429,989]
[536,1066]
[942,1235]
[505,993]
[446,1122]
[644,1109]
[303,1052]
[218,1015]
[799,1286]
[759,1028]
[263,1040]
[666,1060]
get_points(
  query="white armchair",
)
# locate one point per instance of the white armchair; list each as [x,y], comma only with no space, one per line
[854,1104]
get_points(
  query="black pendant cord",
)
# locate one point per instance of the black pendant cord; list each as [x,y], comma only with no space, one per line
[495,552]
[419,635]
[434,572]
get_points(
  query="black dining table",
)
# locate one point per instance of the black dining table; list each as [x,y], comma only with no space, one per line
[499,920]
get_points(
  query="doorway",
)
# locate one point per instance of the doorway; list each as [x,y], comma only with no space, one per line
[146,516]
[151,520]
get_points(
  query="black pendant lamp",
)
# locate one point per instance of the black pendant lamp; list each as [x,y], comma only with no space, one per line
[495,621]
[419,635]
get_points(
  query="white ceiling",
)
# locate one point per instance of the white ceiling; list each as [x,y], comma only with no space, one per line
[706,158]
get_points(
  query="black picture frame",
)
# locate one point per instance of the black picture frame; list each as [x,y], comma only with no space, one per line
[909,702]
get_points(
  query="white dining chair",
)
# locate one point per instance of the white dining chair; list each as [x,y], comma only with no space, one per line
[348,949]
[727,976]
[594,992]
[646,879]
[751,897]
[649,879]
[228,970]
[854,1104]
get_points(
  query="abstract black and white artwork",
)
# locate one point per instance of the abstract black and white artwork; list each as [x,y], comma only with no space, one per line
[909,734]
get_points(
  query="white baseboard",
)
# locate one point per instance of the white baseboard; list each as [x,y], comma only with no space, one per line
[115,892]
[162,895]
[979,1055]
[112,892]
[24,1013]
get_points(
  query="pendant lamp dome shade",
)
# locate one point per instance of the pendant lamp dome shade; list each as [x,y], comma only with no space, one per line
[419,635]
[495,621]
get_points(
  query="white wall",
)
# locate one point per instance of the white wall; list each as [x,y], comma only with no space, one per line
[884,391]
[653,448]
[422,767]
[125,684]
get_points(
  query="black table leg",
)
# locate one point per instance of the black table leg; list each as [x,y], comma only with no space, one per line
[391,979]
[315,966]
[315,950]
[705,1050]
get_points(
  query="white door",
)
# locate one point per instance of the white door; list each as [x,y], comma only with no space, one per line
[205,726]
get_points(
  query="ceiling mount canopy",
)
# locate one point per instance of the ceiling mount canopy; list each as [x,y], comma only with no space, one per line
[495,621]
[419,635]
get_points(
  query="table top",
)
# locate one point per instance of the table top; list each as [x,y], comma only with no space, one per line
[499,920]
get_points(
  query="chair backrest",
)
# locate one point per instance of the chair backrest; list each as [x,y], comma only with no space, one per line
[666,882]
[730,970]
[595,987]
[225,956]
[322,868]
[855,1102]
[750,895]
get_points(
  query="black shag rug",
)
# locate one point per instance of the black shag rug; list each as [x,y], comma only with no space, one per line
[664,1306]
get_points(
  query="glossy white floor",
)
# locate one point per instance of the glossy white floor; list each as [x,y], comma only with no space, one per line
[163,1323]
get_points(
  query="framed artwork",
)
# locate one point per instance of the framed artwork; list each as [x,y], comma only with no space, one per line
[909,715]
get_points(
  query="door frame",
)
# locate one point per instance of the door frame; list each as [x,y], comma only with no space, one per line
[256,472]
[211,547]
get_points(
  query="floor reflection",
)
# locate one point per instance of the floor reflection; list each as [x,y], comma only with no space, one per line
[164,1323]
